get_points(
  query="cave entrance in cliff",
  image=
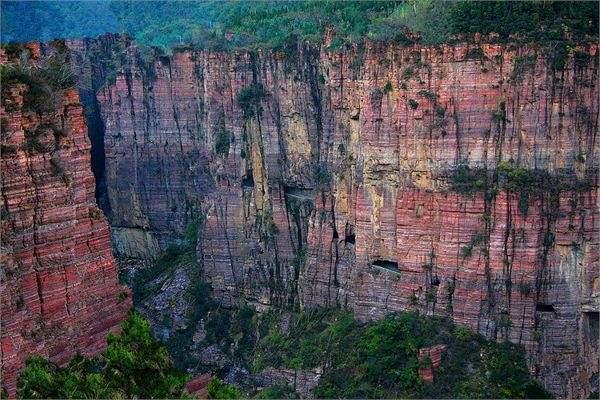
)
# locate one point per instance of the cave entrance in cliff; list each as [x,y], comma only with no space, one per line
[387,264]
[248,181]
[591,321]
[299,193]
[541,307]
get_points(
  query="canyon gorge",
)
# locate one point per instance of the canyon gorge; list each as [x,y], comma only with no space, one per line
[458,180]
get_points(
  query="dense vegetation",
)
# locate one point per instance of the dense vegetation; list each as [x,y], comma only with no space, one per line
[134,365]
[384,362]
[527,183]
[46,79]
[269,23]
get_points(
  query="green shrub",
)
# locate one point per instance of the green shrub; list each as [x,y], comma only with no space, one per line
[499,116]
[504,321]
[466,252]
[222,142]
[538,21]
[219,390]
[431,294]
[525,182]
[46,79]
[322,176]
[32,143]
[8,150]
[384,359]
[12,50]
[440,111]
[428,94]
[132,366]
[249,99]
[525,288]
[122,296]
[388,88]
[467,180]
[413,300]
[463,333]
[276,392]
[412,103]
[476,240]
[475,53]
[521,66]
[271,24]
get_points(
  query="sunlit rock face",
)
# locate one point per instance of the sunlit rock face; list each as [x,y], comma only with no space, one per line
[329,178]
[60,290]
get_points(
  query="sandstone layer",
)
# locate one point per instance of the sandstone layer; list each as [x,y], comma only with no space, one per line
[59,281]
[326,178]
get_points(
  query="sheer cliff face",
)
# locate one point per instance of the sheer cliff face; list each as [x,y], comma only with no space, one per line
[60,291]
[327,178]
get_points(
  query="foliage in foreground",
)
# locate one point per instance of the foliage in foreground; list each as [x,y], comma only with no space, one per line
[133,365]
[219,390]
[384,359]
[384,363]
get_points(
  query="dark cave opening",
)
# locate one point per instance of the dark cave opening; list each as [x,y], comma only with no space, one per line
[592,325]
[298,193]
[351,239]
[248,181]
[541,307]
[387,264]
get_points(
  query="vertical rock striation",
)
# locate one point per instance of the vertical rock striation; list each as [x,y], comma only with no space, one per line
[60,290]
[329,178]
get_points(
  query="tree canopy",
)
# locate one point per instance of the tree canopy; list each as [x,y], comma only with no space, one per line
[133,365]
[270,23]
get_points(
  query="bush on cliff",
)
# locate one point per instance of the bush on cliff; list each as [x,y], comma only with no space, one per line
[527,183]
[384,358]
[45,80]
[249,99]
[219,390]
[133,365]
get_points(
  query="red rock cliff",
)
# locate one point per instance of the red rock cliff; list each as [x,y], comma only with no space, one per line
[60,289]
[326,178]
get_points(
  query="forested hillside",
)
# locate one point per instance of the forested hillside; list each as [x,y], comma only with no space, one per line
[267,23]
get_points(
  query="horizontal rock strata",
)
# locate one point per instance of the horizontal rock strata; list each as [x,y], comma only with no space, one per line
[60,290]
[326,177]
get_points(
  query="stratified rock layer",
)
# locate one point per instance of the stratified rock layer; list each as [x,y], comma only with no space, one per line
[334,188]
[60,290]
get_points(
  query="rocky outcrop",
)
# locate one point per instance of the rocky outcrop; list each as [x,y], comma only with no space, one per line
[198,386]
[329,177]
[430,359]
[301,381]
[60,290]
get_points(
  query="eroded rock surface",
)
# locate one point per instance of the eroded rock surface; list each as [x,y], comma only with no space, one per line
[326,178]
[60,290]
